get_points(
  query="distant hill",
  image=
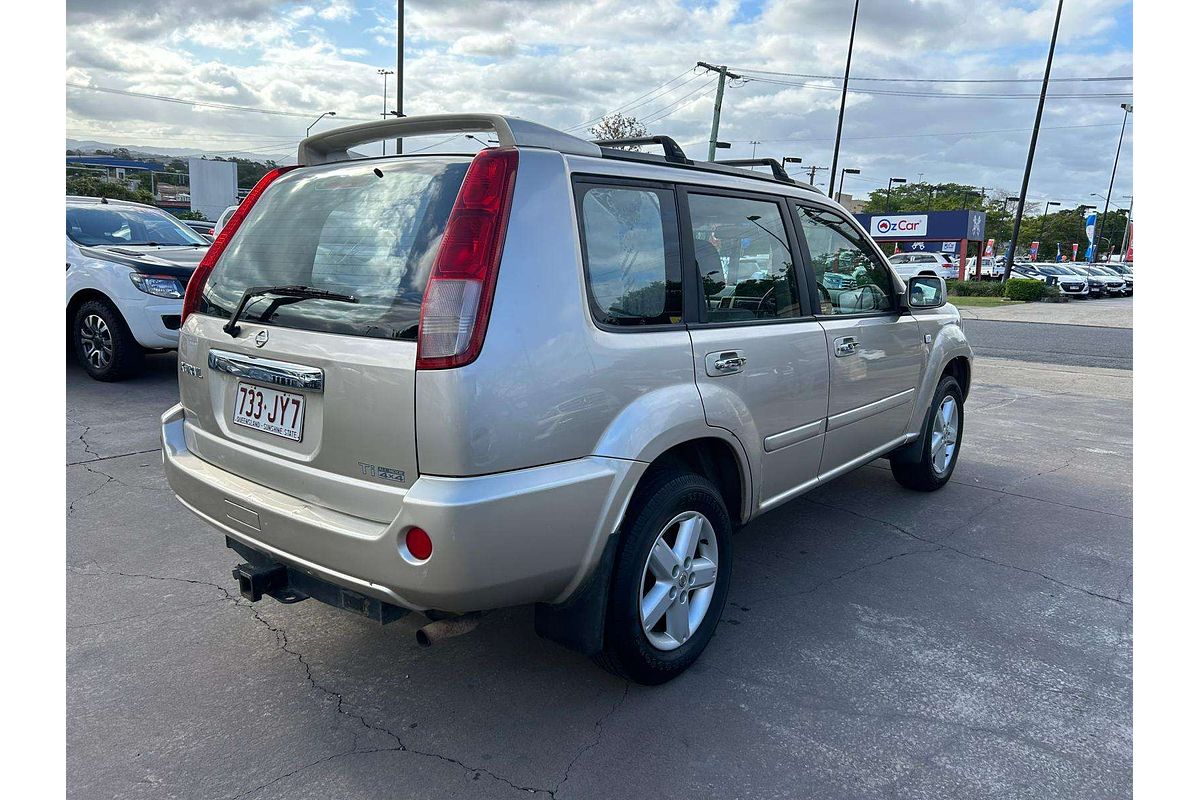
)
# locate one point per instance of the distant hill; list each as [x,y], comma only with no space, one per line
[164,153]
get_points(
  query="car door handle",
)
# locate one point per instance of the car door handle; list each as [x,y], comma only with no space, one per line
[730,364]
[724,362]
[845,346]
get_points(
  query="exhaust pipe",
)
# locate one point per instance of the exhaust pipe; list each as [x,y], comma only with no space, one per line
[441,629]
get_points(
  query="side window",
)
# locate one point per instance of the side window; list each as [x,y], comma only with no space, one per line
[631,255]
[850,278]
[743,259]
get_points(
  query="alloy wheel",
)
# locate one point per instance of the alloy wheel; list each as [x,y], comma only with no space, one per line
[678,580]
[945,435]
[96,340]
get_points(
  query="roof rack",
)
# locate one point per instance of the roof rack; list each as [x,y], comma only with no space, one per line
[335,144]
[671,150]
[777,170]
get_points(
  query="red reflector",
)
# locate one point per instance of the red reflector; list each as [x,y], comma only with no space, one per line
[191,295]
[418,543]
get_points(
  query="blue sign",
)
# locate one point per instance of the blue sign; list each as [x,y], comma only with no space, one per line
[926,246]
[927,225]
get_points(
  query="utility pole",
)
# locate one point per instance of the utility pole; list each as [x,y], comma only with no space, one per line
[837,140]
[812,174]
[399,69]
[722,73]
[1037,124]
[1128,109]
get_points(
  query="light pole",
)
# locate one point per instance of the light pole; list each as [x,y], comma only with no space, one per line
[318,119]
[791,160]
[385,73]
[1042,230]
[887,204]
[754,143]
[1037,124]
[1128,109]
[842,181]
[837,140]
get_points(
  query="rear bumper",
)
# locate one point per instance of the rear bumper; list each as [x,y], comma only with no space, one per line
[498,540]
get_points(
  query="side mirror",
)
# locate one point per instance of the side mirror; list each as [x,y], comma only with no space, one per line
[926,291]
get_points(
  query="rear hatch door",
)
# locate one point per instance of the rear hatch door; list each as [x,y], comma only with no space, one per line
[315,397]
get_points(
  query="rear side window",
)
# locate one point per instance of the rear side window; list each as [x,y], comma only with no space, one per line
[631,254]
[369,229]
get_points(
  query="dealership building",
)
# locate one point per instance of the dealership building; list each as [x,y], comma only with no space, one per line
[949,232]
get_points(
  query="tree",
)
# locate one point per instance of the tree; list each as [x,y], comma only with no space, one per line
[619,126]
[90,186]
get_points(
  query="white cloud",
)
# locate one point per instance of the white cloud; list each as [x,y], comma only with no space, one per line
[564,62]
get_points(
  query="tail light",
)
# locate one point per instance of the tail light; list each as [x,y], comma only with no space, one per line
[458,297]
[191,296]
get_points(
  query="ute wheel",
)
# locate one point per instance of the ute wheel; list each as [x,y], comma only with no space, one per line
[670,578]
[103,343]
[930,467]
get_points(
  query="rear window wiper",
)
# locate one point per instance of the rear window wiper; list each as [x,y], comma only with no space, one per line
[284,295]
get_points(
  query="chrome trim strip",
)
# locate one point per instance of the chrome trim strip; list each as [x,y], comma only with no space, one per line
[778,441]
[870,409]
[836,472]
[266,370]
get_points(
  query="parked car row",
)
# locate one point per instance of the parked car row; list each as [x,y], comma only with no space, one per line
[1080,280]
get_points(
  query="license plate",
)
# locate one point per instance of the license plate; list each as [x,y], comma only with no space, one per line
[269,410]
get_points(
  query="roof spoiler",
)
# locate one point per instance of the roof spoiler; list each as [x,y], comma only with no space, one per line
[335,145]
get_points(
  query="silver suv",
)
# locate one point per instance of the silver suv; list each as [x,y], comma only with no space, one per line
[553,372]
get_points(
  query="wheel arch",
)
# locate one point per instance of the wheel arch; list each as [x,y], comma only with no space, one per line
[78,299]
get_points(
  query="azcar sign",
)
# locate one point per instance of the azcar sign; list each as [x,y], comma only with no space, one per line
[896,225]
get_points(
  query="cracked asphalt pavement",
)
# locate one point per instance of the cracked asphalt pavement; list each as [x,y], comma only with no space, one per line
[974,642]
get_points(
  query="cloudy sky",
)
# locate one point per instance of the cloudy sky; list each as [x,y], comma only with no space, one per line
[567,62]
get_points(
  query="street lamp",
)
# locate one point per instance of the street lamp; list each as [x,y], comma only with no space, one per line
[887,204]
[842,180]
[318,119]
[1042,230]
[385,73]
[1128,109]
[791,160]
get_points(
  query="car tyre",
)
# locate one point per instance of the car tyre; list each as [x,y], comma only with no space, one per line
[685,513]
[939,444]
[104,346]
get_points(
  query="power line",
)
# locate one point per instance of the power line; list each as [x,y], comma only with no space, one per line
[677,104]
[945,95]
[204,104]
[634,103]
[942,133]
[938,80]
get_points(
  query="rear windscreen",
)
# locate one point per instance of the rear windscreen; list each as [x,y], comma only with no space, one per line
[369,229]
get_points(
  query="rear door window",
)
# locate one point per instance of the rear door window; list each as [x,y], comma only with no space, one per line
[631,254]
[744,261]
[369,229]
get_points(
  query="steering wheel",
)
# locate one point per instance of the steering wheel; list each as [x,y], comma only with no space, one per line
[874,291]
[758,308]
[824,294]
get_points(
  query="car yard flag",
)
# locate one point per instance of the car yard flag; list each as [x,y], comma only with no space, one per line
[1033,248]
